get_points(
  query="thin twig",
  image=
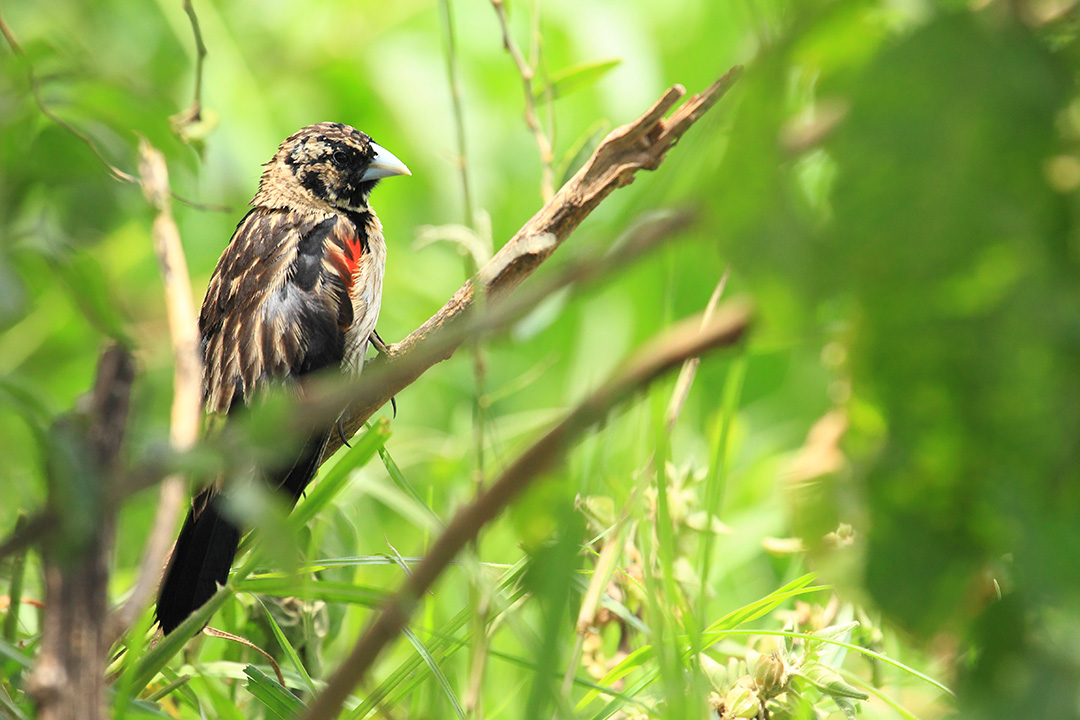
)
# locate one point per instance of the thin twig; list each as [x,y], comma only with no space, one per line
[221,634]
[686,340]
[527,73]
[537,60]
[200,56]
[639,145]
[187,379]
[479,363]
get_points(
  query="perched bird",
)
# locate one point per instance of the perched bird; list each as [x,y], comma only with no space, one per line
[297,290]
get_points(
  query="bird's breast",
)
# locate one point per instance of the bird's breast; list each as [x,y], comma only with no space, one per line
[365,286]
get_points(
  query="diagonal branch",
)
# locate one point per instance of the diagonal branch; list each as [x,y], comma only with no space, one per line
[639,145]
[688,339]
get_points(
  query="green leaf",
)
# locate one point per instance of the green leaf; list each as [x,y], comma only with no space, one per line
[574,78]
[308,589]
[276,697]
[159,655]
[225,708]
[582,150]
[766,604]
[835,655]
[287,647]
[332,483]
[403,484]
[8,706]
[135,641]
[177,683]
[828,681]
[433,666]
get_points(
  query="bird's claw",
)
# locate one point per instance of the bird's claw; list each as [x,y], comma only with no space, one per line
[341,430]
[383,349]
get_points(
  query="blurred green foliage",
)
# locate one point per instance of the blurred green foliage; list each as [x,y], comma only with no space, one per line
[893,182]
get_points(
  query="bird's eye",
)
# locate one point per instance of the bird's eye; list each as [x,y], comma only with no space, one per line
[340,158]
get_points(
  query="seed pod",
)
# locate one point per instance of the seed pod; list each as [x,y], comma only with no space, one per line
[742,700]
[770,674]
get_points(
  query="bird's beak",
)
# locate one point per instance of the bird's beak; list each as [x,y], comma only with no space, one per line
[384,165]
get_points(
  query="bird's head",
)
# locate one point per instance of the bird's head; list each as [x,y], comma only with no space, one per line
[327,163]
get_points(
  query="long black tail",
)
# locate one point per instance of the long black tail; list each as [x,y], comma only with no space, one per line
[208,541]
[200,562]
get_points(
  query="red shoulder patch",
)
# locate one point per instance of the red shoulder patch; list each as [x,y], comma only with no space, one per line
[345,254]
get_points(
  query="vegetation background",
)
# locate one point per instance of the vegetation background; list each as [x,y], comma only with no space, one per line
[893,183]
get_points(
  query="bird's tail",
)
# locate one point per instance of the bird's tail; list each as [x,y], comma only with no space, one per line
[201,561]
[207,544]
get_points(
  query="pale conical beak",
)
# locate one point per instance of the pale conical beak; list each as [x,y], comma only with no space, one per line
[384,165]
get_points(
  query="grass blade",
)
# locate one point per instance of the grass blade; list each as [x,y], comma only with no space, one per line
[324,491]
[436,671]
[307,589]
[160,654]
[279,702]
[287,647]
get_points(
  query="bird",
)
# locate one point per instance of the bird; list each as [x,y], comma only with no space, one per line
[297,290]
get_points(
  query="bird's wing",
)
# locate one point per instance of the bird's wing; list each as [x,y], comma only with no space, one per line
[276,308]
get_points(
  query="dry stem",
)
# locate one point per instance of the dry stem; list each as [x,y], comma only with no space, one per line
[187,379]
[527,73]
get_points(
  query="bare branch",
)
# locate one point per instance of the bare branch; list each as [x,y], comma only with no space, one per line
[640,145]
[187,379]
[684,341]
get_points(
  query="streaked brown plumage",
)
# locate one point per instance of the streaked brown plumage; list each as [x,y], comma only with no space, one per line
[297,290]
